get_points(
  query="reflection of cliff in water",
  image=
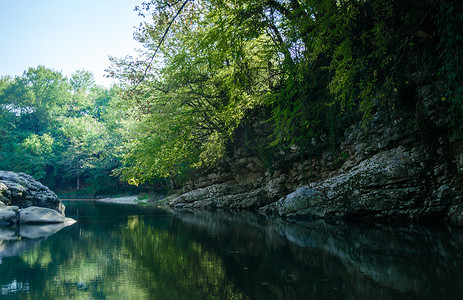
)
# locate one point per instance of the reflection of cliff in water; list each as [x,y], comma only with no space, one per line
[18,239]
[351,260]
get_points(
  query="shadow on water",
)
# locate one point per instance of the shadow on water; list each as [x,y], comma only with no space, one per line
[132,252]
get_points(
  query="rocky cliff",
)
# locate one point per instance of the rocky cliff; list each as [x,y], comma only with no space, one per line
[404,164]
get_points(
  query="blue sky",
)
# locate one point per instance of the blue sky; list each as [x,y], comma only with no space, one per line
[66,35]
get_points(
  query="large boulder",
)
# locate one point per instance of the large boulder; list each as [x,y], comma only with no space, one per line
[23,190]
[41,215]
[11,215]
[392,184]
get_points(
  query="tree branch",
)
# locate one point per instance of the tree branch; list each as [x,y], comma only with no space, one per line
[148,67]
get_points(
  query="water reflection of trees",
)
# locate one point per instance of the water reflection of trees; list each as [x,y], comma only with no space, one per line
[88,265]
[201,255]
[123,257]
[173,266]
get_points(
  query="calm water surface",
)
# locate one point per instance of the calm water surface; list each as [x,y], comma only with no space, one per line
[128,252]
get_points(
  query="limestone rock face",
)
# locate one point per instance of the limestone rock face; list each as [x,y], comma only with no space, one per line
[390,173]
[222,196]
[403,164]
[300,199]
[390,184]
[23,190]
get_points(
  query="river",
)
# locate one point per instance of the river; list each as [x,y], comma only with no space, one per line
[134,252]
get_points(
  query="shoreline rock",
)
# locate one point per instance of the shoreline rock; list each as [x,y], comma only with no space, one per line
[387,185]
[42,215]
[390,172]
[12,215]
[9,215]
[23,200]
[130,200]
[22,190]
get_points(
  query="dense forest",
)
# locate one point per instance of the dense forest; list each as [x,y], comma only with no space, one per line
[218,75]
[63,131]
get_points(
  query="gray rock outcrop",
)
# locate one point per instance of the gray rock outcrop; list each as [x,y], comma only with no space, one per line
[390,184]
[392,172]
[22,190]
[395,167]
[223,196]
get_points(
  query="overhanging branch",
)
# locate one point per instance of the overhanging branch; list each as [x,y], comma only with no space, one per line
[150,62]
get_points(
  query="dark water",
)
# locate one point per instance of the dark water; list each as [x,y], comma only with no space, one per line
[126,252]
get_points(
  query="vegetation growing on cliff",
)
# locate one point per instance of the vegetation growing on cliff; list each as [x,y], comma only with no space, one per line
[307,69]
[218,74]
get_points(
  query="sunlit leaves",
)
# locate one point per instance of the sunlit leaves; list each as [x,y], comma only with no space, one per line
[39,145]
[317,66]
[213,73]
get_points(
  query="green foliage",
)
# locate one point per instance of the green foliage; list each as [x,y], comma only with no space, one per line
[85,144]
[316,66]
[449,20]
[212,69]
[34,154]
[209,81]
[63,132]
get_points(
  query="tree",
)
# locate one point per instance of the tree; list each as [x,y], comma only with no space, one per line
[57,129]
[188,111]
[35,154]
[87,140]
[31,105]
[7,124]
[43,96]
[308,68]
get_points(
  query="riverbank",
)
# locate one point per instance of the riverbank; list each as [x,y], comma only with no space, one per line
[384,171]
[134,200]
[141,199]
[131,200]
